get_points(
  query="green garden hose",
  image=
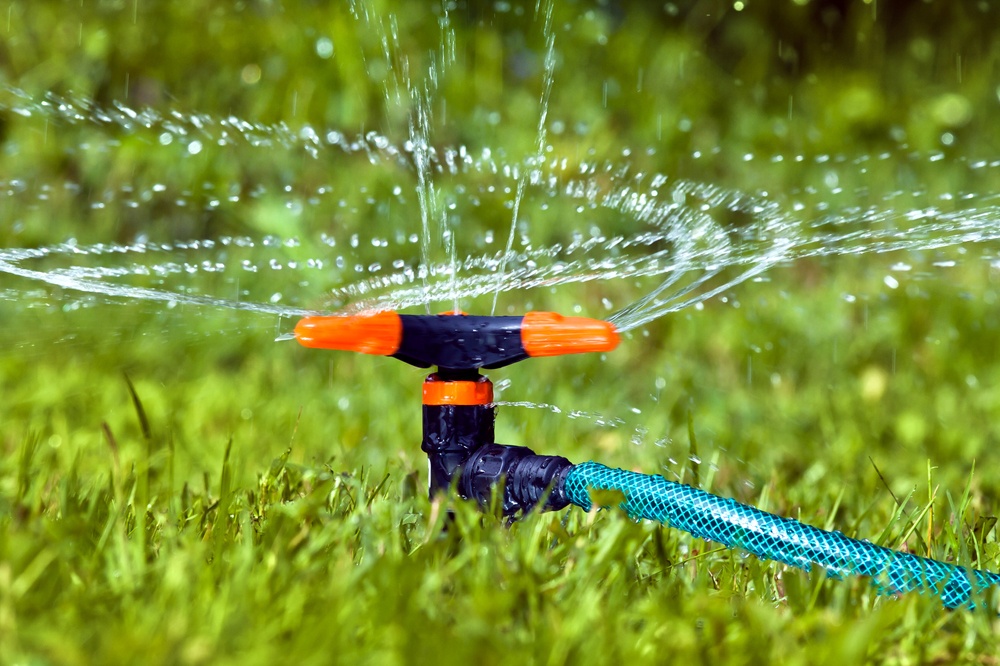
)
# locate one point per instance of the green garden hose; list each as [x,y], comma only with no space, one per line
[785,540]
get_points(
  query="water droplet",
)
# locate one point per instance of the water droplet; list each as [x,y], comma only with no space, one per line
[251,74]
[324,47]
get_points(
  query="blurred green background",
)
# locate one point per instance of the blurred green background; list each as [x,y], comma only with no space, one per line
[257,502]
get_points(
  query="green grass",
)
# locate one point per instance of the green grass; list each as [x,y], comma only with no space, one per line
[177,488]
[307,535]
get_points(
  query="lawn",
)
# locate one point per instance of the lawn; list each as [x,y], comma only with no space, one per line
[178,487]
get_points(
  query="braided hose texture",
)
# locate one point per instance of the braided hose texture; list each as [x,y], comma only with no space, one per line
[785,540]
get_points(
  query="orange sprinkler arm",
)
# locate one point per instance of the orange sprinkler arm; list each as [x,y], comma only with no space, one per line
[378,334]
[458,341]
[551,334]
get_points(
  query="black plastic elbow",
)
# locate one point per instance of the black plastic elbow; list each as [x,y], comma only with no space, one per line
[527,478]
[459,416]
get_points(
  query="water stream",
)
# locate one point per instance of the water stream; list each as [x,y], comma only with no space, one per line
[699,239]
[549,69]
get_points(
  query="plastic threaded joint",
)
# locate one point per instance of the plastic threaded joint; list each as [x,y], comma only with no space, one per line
[527,478]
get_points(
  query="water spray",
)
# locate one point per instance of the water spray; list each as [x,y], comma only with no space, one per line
[458,436]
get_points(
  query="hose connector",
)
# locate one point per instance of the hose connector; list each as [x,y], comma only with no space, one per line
[526,478]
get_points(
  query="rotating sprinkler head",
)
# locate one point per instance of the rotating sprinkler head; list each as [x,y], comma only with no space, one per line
[457,342]
[458,407]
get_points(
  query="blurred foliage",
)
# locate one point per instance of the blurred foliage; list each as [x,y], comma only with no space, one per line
[791,74]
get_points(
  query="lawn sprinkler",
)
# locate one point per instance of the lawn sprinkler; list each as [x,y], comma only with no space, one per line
[458,424]
[459,412]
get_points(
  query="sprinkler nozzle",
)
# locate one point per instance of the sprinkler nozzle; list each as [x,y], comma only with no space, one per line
[378,333]
[551,334]
[458,341]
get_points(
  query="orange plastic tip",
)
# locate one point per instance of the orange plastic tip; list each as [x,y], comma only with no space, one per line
[551,334]
[378,333]
[440,392]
